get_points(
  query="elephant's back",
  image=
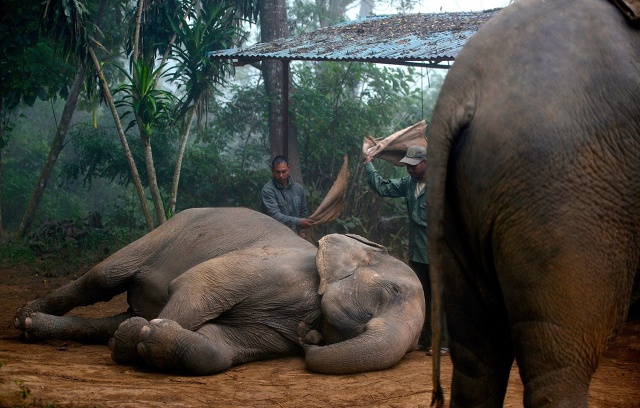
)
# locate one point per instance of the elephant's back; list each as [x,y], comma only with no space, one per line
[548,144]
[191,238]
[556,111]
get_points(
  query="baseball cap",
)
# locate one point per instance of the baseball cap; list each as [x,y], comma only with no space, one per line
[414,155]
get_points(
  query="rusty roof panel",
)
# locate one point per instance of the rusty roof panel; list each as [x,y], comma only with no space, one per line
[434,37]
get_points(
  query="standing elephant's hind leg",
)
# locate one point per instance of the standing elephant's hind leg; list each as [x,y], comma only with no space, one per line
[479,339]
[165,345]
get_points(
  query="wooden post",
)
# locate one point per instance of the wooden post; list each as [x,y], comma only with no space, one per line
[285,108]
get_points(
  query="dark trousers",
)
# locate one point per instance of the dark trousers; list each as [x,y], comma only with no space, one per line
[422,271]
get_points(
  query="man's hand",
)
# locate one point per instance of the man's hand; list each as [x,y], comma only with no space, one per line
[305,223]
[368,158]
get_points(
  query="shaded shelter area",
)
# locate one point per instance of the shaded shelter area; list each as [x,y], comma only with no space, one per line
[431,40]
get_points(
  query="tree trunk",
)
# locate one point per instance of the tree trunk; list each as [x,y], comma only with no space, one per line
[135,177]
[1,147]
[1,228]
[152,179]
[273,25]
[54,152]
[183,145]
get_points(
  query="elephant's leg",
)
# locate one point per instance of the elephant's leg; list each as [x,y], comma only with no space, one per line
[165,345]
[565,307]
[478,339]
[207,290]
[40,326]
[100,283]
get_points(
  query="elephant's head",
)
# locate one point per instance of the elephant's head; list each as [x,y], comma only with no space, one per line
[372,307]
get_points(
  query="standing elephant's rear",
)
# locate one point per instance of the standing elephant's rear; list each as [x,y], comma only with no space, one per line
[534,199]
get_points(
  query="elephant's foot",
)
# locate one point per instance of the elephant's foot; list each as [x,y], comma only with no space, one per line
[41,326]
[22,315]
[124,343]
[35,326]
[164,344]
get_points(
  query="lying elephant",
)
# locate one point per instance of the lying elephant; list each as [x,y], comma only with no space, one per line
[226,286]
[534,199]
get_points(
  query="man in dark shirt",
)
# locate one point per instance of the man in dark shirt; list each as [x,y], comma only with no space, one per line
[283,199]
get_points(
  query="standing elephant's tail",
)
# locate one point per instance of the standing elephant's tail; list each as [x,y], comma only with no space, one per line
[444,132]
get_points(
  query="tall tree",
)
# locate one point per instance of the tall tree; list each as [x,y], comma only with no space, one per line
[54,152]
[71,23]
[32,69]
[135,176]
[152,31]
[273,25]
[211,29]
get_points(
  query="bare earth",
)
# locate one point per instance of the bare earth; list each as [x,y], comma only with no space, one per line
[57,373]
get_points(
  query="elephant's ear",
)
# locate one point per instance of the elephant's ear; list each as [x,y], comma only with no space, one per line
[376,246]
[340,255]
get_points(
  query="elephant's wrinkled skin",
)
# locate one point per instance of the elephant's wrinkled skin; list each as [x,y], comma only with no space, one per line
[225,286]
[534,199]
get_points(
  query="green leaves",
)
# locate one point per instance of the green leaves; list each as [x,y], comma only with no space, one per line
[67,23]
[141,99]
[29,69]
[211,29]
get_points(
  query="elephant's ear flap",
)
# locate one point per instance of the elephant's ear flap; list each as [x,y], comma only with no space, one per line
[340,255]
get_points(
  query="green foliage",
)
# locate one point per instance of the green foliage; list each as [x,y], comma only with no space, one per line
[302,17]
[16,254]
[64,247]
[157,27]
[25,152]
[97,155]
[29,69]
[333,107]
[194,72]
[212,179]
[67,23]
[142,99]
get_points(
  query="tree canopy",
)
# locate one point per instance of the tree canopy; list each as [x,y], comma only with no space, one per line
[172,90]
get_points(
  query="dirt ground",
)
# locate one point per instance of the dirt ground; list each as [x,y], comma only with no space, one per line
[66,374]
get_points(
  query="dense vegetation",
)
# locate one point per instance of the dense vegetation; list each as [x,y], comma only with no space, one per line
[225,162]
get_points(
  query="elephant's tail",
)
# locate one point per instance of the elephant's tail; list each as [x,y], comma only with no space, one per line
[445,131]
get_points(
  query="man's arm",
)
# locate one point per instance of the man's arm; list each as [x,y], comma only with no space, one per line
[383,187]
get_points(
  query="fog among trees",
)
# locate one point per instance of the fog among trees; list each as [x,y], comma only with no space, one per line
[111,108]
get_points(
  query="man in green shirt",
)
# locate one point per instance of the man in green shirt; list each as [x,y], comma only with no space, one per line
[283,198]
[412,188]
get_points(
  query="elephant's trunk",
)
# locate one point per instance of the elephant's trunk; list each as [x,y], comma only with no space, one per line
[381,345]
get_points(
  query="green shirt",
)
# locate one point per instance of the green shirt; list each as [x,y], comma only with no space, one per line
[416,207]
[285,204]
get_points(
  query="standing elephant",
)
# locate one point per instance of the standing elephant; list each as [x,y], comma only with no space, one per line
[217,287]
[534,200]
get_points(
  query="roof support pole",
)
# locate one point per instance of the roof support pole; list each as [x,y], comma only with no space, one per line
[285,108]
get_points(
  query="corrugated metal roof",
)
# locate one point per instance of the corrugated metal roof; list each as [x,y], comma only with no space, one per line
[393,39]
